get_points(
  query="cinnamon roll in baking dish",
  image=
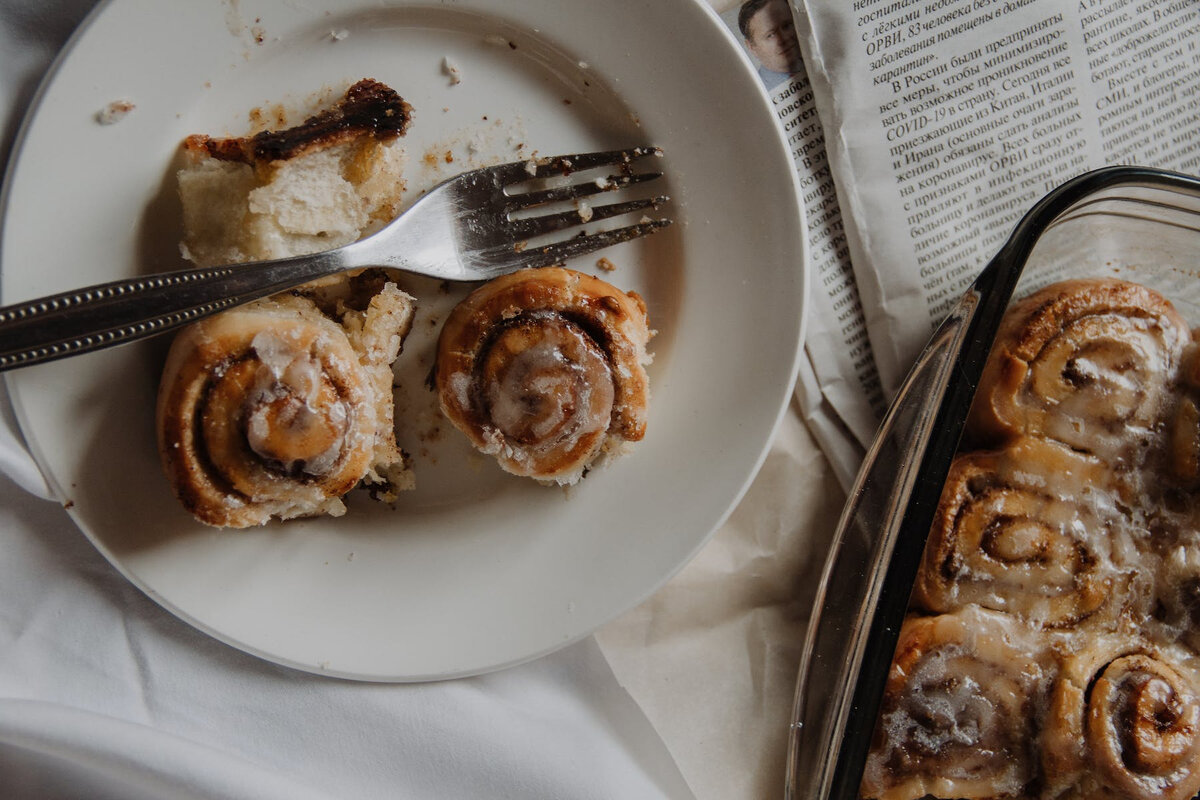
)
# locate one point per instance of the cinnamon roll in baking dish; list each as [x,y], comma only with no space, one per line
[1086,362]
[1183,429]
[958,713]
[544,369]
[278,409]
[1124,721]
[1034,529]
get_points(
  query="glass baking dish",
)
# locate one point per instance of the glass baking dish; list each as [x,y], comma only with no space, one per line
[1137,223]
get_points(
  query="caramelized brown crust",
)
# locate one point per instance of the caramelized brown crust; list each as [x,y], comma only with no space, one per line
[368,107]
[1086,362]
[543,368]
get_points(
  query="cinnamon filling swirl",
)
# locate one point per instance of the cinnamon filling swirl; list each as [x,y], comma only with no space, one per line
[544,370]
[957,717]
[276,411]
[1086,362]
[1019,530]
[1126,721]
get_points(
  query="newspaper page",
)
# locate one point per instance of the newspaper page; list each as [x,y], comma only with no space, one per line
[839,392]
[945,120]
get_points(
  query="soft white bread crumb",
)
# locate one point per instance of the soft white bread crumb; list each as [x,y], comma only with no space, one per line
[315,201]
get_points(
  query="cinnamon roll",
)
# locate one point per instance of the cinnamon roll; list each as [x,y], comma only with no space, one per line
[1032,529]
[544,369]
[1183,430]
[1086,362]
[1178,589]
[958,714]
[276,410]
[1124,721]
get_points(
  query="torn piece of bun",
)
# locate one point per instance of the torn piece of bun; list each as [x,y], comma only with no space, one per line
[324,183]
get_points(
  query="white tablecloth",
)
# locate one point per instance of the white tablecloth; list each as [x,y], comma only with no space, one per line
[103,694]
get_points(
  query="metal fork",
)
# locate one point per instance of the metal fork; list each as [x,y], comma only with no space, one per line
[462,230]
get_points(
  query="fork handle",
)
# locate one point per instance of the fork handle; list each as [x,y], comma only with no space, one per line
[117,312]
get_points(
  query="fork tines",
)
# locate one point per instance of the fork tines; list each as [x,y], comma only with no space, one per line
[519,171]
[582,245]
[623,176]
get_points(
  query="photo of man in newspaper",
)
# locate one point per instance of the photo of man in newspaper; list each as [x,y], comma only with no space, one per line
[770,35]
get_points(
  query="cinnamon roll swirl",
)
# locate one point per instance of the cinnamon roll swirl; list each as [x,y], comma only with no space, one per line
[544,369]
[1029,529]
[958,715]
[1124,721]
[276,410]
[1086,362]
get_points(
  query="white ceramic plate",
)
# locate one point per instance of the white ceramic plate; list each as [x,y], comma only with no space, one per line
[475,570]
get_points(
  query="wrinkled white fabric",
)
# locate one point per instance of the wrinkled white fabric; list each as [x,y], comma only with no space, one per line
[103,694]
[99,687]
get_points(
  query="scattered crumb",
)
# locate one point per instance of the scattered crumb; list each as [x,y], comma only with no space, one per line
[531,167]
[583,65]
[350,556]
[566,101]
[500,41]
[114,112]
[448,157]
[339,34]
[451,69]
[69,505]
[585,211]
[605,264]
[259,34]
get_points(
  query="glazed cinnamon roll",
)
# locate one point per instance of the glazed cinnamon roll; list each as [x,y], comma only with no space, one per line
[1178,589]
[1183,430]
[277,410]
[1032,529]
[958,716]
[1086,362]
[544,369]
[1124,721]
